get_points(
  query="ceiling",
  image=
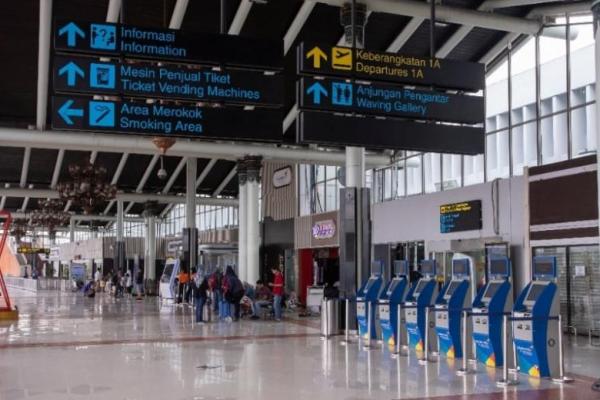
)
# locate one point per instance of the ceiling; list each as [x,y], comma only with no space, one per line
[19,45]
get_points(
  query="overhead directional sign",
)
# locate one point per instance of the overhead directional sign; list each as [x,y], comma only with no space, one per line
[163,44]
[315,59]
[389,100]
[77,113]
[86,75]
[391,133]
[456,217]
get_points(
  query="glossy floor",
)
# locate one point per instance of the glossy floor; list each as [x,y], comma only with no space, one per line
[68,347]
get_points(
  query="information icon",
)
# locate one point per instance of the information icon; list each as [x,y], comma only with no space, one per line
[103,37]
[102,113]
[102,76]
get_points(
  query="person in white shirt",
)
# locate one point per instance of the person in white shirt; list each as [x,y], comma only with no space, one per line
[97,278]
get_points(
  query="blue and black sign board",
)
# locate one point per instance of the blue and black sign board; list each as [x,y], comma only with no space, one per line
[457,217]
[389,100]
[162,44]
[79,113]
[87,75]
[343,62]
[391,133]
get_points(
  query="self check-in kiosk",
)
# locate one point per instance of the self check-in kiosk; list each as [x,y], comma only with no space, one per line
[493,301]
[366,302]
[535,321]
[168,284]
[392,297]
[454,298]
[417,307]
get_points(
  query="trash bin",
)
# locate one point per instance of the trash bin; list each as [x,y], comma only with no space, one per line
[330,321]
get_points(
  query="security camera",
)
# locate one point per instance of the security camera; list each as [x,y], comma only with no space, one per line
[162,174]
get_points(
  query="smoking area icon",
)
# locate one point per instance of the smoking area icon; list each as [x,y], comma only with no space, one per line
[102,113]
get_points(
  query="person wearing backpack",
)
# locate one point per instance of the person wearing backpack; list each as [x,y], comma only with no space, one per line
[233,291]
[200,288]
[214,284]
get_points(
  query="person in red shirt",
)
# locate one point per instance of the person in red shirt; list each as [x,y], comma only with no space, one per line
[277,288]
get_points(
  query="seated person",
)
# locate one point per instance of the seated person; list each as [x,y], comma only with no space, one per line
[262,297]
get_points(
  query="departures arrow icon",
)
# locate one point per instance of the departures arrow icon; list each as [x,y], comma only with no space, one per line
[72,70]
[316,89]
[66,112]
[316,54]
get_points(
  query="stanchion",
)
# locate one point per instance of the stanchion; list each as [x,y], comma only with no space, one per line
[367,345]
[398,350]
[561,357]
[346,323]
[464,370]
[505,381]
[425,359]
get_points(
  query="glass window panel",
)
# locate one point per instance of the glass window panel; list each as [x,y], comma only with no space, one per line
[432,172]
[523,83]
[583,131]
[400,179]
[524,147]
[304,190]
[387,184]
[414,174]
[582,63]
[320,198]
[331,172]
[496,106]
[553,75]
[452,171]
[497,155]
[331,201]
[473,170]
[554,138]
[319,173]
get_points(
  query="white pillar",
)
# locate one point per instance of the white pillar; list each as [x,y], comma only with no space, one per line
[72,230]
[242,222]
[253,165]
[355,167]
[596,12]
[150,253]
[120,213]
[190,192]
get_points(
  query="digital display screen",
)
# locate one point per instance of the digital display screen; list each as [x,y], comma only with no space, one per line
[452,288]
[370,283]
[491,290]
[428,267]
[392,286]
[401,267]
[534,292]
[499,266]
[420,286]
[456,217]
[166,276]
[544,266]
[460,267]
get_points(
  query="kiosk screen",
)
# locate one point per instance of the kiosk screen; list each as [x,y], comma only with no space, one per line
[401,267]
[420,286]
[393,285]
[499,266]
[370,283]
[451,288]
[428,267]
[166,276]
[491,290]
[544,267]
[460,267]
[534,292]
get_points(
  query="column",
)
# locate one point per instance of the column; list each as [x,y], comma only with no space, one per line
[242,222]
[150,213]
[596,13]
[253,166]
[119,259]
[72,230]
[190,233]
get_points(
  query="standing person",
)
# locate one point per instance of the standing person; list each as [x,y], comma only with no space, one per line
[184,279]
[214,283]
[97,278]
[277,287]
[200,286]
[128,283]
[233,291]
[139,284]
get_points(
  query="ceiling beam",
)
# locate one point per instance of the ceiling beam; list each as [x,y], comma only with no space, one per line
[297,24]
[174,175]
[57,167]
[20,215]
[448,14]
[13,137]
[25,167]
[225,181]
[205,172]
[126,197]
[178,14]
[115,179]
[240,17]
[114,9]
[406,34]
[494,4]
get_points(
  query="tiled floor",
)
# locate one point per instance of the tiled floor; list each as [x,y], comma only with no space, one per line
[70,347]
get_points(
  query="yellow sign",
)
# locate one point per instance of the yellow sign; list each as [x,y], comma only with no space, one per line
[341,58]
[32,250]
[316,54]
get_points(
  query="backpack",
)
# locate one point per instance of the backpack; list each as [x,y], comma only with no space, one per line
[237,289]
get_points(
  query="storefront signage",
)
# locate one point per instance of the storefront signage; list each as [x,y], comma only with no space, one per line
[330,129]
[323,229]
[389,100]
[32,250]
[456,217]
[85,75]
[165,119]
[163,44]
[282,177]
[317,59]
